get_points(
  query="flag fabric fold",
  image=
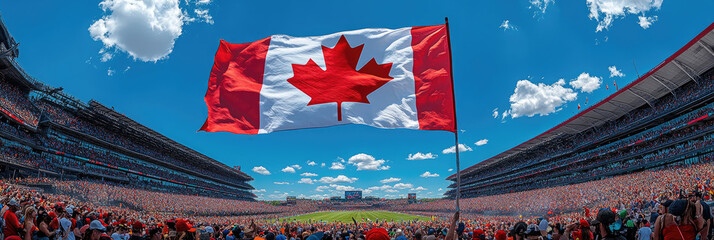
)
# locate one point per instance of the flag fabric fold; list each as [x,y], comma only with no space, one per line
[385,78]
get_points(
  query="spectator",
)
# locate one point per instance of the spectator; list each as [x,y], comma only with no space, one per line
[12,224]
[645,232]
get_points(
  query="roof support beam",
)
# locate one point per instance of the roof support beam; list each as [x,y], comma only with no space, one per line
[592,124]
[681,67]
[634,93]
[667,81]
[707,47]
[611,112]
[620,102]
[611,116]
[574,124]
[605,117]
[618,106]
[572,129]
[660,82]
[645,92]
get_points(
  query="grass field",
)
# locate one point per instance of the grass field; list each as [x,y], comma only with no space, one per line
[346,216]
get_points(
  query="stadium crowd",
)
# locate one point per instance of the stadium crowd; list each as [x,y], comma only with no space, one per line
[564,148]
[163,153]
[629,204]
[13,100]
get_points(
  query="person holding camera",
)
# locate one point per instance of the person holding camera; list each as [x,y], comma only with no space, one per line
[579,231]
[605,218]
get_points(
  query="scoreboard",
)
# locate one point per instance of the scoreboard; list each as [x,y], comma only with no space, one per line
[353,195]
[291,200]
[411,197]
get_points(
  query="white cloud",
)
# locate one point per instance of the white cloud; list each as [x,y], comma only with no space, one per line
[308,174]
[452,149]
[296,166]
[342,188]
[261,170]
[421,156]
[382,188]
[586,83]
[337,166]
[288,169]
[127,68]
[428,174]
[340,178]
[495,113]
[306,181]
[391,179]
[311,163]
[403,185]
[278,196]
[203,1]
[450,169]
[540,5]
[203,14]
[281,183]
[314,196]
[506,25]
[606,11]
[481,142]
[420,188]
[110,72]
[529,99]
[258,190]
[614,72]
[145,29]
[440,189]
[106,56]
[322,188]
[646,22]
[367,162]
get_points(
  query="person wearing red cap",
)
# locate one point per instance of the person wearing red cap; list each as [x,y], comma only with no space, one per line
[137,231]
[43,222]
[579,231]
[479,234]
[501,235]
[183,228]
[377,234]
[12,224]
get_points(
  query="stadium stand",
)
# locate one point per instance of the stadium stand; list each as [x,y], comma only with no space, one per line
[662,118]
[45,132]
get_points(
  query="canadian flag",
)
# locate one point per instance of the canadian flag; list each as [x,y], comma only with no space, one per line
[385,78]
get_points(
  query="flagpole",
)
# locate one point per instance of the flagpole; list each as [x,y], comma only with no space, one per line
[456,129]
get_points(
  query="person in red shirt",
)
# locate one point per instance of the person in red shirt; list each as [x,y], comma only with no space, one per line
[12,224]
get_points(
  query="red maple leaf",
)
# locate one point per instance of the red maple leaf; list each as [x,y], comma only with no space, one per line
[340,81]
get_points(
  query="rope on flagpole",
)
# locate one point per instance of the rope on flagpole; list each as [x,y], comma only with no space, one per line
[456,129]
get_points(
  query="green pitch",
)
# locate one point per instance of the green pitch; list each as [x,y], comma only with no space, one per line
[346,216]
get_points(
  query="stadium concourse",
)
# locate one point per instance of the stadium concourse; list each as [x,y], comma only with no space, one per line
[639,163]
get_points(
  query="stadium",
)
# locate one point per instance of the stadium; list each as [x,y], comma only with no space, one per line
[641,158]
[660,120]
[48,133]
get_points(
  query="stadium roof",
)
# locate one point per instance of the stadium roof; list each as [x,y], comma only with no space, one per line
[685,65]
[131,123]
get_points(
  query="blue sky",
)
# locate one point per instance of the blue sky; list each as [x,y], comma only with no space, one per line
[123,62]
